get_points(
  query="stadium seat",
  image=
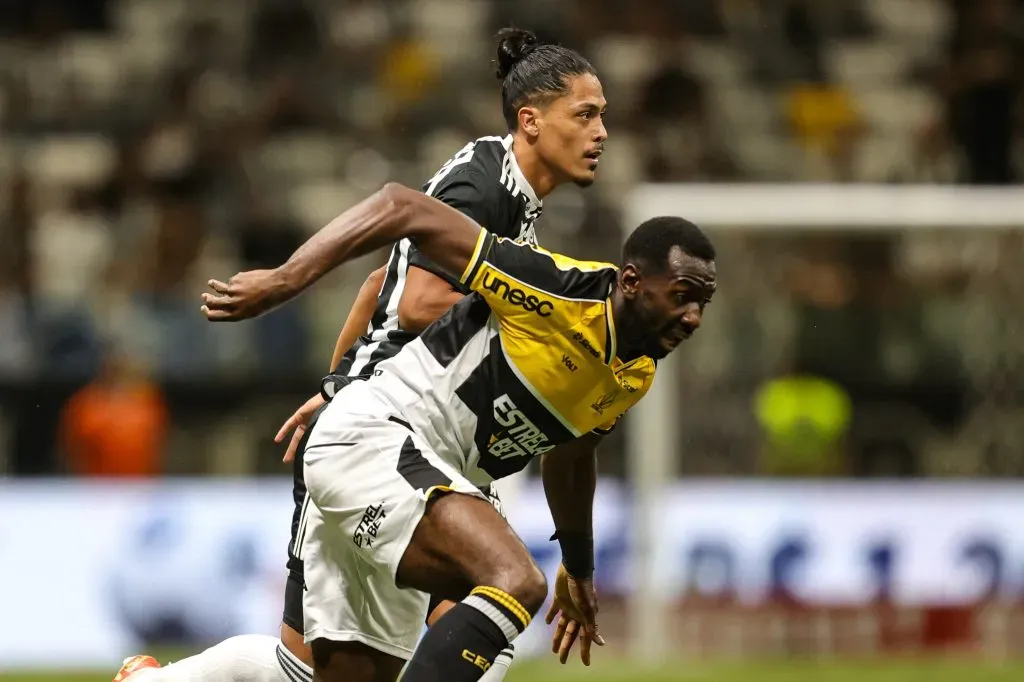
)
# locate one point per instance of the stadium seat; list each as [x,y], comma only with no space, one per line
[865,65]
[452,28]
[621,163]
[299,155]
[897,110]
[715,61]
[765,156]
[880,157]
[80,160]
[746,109]
[317,202]
[900,19]
[623,60]
[96,65]
[149,17]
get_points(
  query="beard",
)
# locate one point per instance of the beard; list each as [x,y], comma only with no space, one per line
[639,334]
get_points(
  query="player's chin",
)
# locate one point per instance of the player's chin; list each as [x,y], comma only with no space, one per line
[667,345]
[585,177]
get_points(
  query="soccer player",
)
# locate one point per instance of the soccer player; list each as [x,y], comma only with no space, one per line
[553,104]
[542,358]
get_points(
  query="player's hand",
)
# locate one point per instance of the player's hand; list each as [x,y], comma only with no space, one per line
[245,295]
[575,605]
[299,422]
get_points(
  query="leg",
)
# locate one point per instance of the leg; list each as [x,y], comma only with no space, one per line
[291,618]
[439,607]
[361,627]
[353,661]
[462,541]
[248,658]
[502,662]
[378,526]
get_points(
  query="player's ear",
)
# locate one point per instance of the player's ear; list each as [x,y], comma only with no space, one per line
[529,121]
[629,280]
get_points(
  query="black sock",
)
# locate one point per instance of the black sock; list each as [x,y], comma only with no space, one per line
[463,644]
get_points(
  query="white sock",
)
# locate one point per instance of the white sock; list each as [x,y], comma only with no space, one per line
[246,658]
[498,669]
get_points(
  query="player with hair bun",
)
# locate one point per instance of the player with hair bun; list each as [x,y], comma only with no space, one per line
[553,105]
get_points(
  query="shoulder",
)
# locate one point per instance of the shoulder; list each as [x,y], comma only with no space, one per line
[550,272]
[480,160]
[482,155]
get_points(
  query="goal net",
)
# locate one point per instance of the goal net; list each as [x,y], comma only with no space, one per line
[858,331]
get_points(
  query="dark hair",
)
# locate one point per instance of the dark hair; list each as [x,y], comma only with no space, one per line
[650,243]
[533,73]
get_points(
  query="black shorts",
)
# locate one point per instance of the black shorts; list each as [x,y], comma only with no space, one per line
[296,583]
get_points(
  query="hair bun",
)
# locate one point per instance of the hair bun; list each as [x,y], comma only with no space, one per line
[513,45]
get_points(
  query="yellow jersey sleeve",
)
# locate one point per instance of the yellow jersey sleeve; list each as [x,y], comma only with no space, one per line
[608,426]
[533,289]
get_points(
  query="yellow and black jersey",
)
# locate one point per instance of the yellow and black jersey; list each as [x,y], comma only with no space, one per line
[524,363]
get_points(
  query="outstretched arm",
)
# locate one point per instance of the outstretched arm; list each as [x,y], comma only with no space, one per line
[569,473]
[443,234]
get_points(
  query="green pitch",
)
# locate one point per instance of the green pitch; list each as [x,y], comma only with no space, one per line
[619,671]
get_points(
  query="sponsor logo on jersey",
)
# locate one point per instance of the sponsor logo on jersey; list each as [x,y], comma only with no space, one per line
[519,436]
[517,297]
[603,403]
[582,340]
[567,361]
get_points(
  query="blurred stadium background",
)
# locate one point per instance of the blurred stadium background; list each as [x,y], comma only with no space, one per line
[826,483]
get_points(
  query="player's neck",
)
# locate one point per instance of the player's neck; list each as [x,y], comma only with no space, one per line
[536,172]
[627,348]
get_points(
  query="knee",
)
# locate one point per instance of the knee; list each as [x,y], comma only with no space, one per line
[527,584]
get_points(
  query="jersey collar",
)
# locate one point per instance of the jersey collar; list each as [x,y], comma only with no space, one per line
[611,345]
[517,173]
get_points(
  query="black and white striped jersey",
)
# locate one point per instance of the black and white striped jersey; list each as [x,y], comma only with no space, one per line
[484,181]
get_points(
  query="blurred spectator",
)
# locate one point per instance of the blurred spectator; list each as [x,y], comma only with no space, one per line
[803,420]
[72,249]
[821,112]
[116,425]
[172,155]
[683,143]
[17,354]
[16,228]
[48,19]
[828,126]
[284,33]
[983,90]
[281,336]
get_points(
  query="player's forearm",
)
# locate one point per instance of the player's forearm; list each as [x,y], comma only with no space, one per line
[391,214]
[569,474]
[359,316]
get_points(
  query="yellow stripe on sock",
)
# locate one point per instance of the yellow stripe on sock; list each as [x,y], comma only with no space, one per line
[506,600]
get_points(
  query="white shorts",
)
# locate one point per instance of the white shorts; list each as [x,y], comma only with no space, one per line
[369,480]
